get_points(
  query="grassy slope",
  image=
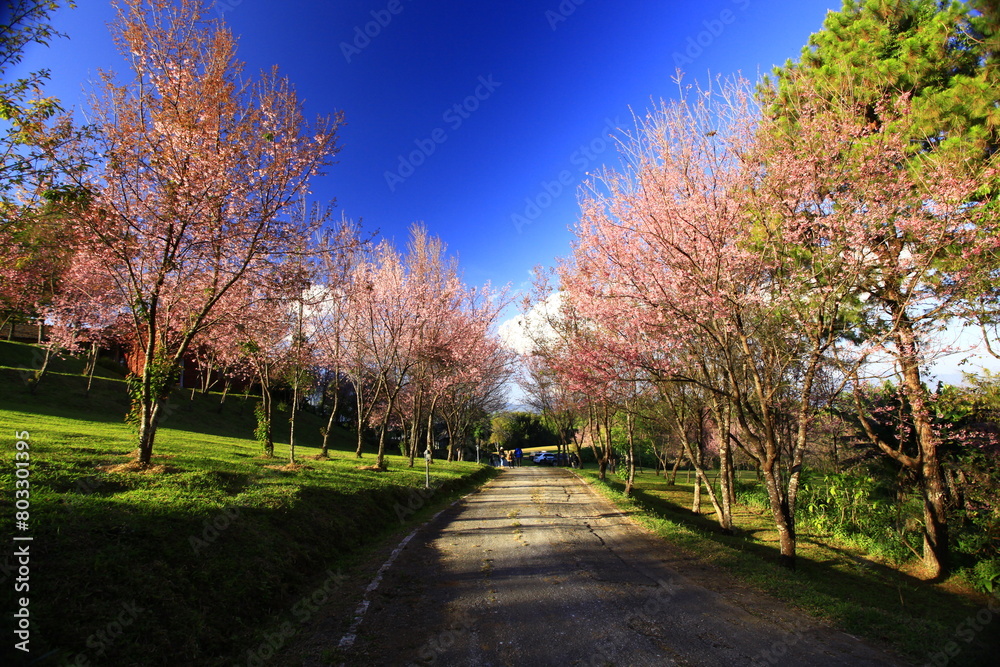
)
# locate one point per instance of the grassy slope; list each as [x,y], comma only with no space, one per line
[190,565]
[832,581]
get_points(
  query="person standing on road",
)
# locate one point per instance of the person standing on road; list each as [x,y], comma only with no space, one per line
[517,456]
[510,458]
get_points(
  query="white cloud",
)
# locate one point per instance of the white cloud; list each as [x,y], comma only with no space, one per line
[964,351]
[521,332]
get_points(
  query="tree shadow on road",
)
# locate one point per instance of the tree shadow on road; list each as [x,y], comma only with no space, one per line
[834,581]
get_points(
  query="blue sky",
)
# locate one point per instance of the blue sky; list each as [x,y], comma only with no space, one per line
[479,119]
[538,85]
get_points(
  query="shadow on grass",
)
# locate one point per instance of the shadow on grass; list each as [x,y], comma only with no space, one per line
[859,595]
[192,567]
[64,396]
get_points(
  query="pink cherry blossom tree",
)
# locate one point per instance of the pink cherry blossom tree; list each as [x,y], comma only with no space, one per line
[359,368]
[732,252]
[478,367]
[85,312]
[390,318]
[439,293]
[693,252]
[479,389]
[260,325]
[330,317]
[200,167]
[920,236]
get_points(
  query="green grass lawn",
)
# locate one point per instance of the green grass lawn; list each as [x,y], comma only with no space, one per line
[833,581]
[195,562]
[217,551]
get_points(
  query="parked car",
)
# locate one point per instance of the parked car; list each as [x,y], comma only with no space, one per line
[545,459]
[560,459]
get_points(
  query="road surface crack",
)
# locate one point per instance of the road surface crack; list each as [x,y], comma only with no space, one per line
[594,533]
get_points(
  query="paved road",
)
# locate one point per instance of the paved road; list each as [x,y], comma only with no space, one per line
[537,569]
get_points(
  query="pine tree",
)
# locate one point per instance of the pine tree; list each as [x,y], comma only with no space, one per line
[942,55]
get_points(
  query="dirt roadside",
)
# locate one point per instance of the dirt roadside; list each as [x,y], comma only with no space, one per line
[538,569]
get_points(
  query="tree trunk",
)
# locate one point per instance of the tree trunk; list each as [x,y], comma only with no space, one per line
[699,462]
[91,365]
[723,426]
[696,495]
[767,452]
[207,373]
[802,434]
[149,416]
[934,494]
[418,437]
[783,520]
[324,451]
[673,472]
[383,428]
[391,396]
[361,417]
[430,424]
[225,392]
[608,445]
[726,485]
[380,456]
[265,435]
[415,429]
[154,390]
[630,481]
[694,453]
[577,444]
[451,438]
[291,421]
[42,370]
[933,488]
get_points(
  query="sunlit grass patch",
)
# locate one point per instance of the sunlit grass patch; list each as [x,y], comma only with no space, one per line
[204,552]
